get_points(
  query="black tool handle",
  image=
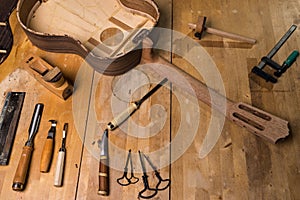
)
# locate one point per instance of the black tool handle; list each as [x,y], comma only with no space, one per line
[147,192]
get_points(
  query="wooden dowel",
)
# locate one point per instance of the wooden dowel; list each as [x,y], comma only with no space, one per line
[230,35]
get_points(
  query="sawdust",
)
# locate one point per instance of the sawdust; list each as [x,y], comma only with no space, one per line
[19,81]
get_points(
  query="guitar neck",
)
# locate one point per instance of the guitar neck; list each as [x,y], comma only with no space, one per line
[258,122]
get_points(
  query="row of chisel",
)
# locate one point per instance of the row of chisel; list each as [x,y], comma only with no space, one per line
[47,154]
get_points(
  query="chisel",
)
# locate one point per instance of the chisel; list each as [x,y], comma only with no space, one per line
[123,116]
[48,148]
[58,177]
[23,166]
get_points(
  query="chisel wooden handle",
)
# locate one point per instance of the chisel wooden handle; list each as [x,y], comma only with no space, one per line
[103,177]
[22,169]
[47,155]
[58,176]
[117,121]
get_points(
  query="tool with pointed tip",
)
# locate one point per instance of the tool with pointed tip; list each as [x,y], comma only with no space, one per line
[47,153]
[162,183]
[59,171]
[123,116]
[125,179]
[103,166]
[22,169]
[147,192]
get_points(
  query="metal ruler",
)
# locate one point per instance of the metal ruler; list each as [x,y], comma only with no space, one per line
[9,119]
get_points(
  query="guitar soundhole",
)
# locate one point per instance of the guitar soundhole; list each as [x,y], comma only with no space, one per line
[248,121]
[111,36]
[254,112]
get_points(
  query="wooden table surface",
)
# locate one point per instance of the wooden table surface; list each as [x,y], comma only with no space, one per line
[240,165]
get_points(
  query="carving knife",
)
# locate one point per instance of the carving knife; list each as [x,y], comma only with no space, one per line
[123,116]
[48,148]
[103,166]
[22,169]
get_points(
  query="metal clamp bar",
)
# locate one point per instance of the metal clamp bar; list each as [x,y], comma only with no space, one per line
[279,44]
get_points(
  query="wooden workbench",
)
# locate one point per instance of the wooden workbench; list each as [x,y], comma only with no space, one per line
[240,166]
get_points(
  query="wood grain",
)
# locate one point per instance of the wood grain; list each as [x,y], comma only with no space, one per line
[22,169]
[47,155]
[240,166]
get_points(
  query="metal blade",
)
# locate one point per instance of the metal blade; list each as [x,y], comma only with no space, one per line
[152,91]
[104,144]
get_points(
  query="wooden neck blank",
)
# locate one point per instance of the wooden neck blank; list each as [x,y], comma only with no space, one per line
[256,121]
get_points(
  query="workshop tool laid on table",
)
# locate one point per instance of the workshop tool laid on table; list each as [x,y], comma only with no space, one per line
[258,122]
[6,36]
[47,154]
[24,162]
[116,122]
[162,183]
[9,120]
[104,166]
[200,27]
[60,163]
[149,192]
[122,117]
[267,60]
[126,180]
[50,77]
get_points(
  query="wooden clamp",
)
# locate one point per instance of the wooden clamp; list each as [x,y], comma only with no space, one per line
[50,77]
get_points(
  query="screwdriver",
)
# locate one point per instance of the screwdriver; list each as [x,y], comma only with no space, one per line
[58,176]
[123,116]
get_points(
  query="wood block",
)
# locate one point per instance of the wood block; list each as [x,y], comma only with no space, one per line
[48,76]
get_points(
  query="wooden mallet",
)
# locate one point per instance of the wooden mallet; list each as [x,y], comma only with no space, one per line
[200,27]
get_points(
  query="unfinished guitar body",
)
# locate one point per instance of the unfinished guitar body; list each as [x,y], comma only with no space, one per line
[99,31]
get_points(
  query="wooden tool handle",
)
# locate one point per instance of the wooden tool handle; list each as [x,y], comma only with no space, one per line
[58,176]
[22,169]
[47,155]
[230,35]
[103,177]
[122,116]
